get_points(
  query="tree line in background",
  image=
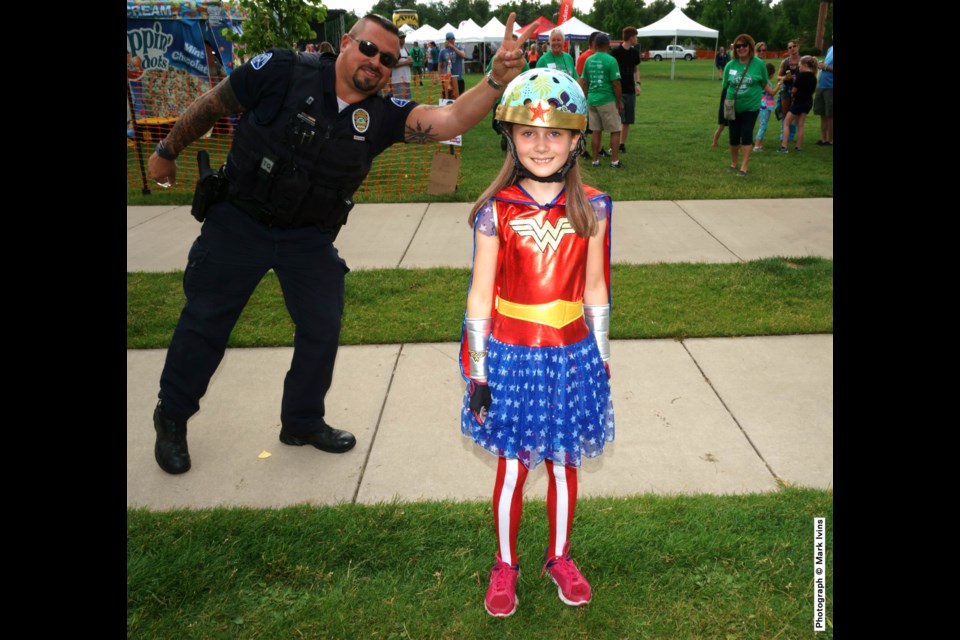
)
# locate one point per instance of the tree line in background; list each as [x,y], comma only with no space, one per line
[775,24]
[273,23]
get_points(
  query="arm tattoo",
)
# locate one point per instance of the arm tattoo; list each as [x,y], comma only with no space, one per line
[419,135]
[202,114]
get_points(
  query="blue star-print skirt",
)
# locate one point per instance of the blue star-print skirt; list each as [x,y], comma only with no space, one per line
[547,403]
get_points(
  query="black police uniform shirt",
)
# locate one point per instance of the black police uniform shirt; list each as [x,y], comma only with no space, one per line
[357,134]
[261,84]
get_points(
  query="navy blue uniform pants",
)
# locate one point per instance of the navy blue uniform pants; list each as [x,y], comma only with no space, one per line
[224,266]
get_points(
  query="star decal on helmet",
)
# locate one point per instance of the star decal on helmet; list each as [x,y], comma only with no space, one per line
[537,111]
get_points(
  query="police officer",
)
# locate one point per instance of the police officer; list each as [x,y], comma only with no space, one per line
[309,131]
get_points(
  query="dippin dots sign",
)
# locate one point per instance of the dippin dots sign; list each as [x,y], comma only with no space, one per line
[148,46]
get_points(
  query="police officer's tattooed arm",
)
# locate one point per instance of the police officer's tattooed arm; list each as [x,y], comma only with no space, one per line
[198,118]
[415,131]
[432,123]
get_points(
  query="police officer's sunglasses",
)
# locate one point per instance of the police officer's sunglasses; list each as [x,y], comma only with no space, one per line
[369,49]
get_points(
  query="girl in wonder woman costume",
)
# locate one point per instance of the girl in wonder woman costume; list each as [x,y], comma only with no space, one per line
[535,341]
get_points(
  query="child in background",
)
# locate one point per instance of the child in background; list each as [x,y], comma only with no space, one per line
[450,90]
[803,89]
[535,344]
[767,104]
[721,121]
[533,54]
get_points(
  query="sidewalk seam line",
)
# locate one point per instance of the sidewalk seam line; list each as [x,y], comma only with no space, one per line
[413,235]
[707,231]
[153,218]
[730,413]
[376,428]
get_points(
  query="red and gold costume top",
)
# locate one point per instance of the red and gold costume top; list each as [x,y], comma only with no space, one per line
[541,271]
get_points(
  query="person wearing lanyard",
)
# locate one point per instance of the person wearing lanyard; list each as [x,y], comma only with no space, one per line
[557,58]
[744,79]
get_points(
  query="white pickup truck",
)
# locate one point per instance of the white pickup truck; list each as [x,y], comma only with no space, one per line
[672,51]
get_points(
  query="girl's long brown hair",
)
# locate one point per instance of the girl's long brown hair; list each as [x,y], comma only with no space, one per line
[579,212]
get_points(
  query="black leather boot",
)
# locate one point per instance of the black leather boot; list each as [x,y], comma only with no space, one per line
[324,437]
[171,448]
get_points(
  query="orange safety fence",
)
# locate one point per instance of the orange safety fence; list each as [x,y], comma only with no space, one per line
[706,54]
[403,170]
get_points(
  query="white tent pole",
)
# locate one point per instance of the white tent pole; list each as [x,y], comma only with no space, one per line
[673,62]
[716,49]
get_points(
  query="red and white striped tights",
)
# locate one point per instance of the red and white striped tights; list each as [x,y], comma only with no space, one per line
[508,506]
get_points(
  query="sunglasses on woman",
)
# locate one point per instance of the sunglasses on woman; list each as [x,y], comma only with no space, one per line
[369,49]
[741,45]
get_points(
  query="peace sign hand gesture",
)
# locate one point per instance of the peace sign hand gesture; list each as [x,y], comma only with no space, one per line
[508,61]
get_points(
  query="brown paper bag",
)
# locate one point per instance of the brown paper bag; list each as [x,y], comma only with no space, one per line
[444,171]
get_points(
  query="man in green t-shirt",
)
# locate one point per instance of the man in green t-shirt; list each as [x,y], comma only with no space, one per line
[417,55]
[601,84]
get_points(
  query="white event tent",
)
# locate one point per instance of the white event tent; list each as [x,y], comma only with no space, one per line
[493,31]
[573,29]
[676,23]
[447,28]
[424,34]
[469,32]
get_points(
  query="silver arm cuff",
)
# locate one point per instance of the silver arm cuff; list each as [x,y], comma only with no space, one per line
[597,317]
[478,337]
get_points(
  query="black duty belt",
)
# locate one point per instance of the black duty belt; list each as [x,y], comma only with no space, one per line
[257,213]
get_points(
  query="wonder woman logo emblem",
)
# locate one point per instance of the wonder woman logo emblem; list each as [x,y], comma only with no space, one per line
[545,235]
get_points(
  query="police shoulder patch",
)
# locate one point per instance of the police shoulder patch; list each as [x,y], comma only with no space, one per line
[260,60]
[399,101]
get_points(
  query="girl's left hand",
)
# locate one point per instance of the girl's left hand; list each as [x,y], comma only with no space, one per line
[480,400]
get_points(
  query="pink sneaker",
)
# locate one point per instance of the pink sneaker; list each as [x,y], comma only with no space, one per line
[501,600]
[572,587]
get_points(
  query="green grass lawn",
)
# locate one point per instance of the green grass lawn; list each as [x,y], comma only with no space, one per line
[671,568]
[773,296]
[662,567]
[668,152]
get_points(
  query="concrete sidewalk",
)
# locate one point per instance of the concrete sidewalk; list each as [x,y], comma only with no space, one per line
[719,415]
[436,235]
